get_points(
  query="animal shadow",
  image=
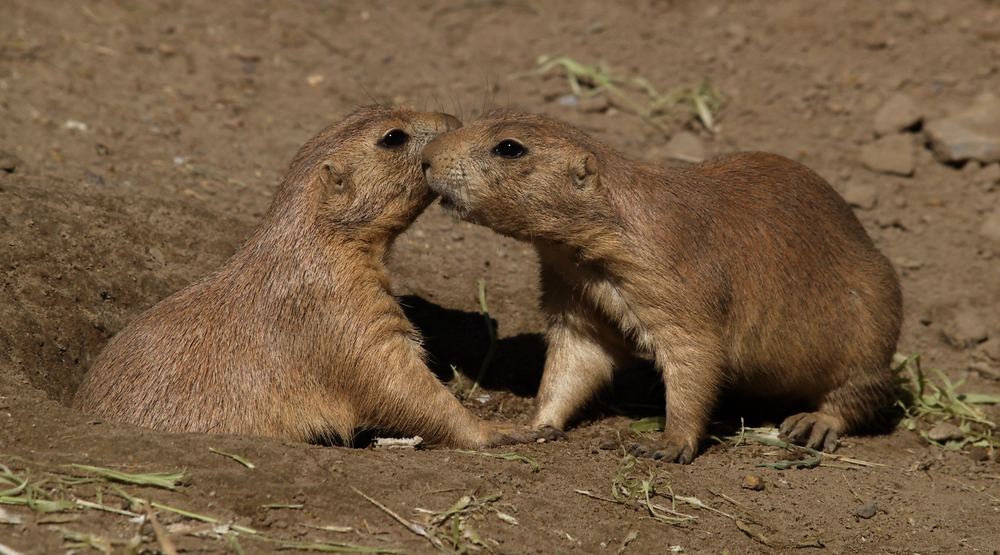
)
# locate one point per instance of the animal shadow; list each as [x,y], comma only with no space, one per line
[461,339]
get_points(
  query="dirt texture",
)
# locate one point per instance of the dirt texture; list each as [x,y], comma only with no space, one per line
[141,141]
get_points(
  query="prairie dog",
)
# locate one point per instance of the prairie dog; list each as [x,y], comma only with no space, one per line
[298,335]
[747,272]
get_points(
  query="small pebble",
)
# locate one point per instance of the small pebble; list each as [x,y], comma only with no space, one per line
[864,197]
[972,134]
[74,125]
[684,146]
[967,329]
[988,175]
[9,162]
[892,154]
[568,100]
[608,445]
[897,114]
[753,482]
[990,227]
[594,104]
[945,431]
[979,454]
[867,510]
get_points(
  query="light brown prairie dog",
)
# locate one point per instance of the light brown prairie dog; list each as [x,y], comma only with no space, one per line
[746,273]
[298,335]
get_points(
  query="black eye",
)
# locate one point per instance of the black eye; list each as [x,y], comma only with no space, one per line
[509,148]
[394,138]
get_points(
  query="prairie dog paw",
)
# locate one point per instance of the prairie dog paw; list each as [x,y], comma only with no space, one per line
[814,430]
[681,451]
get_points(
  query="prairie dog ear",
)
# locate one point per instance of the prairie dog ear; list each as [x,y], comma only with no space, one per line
[332,177]
[583,170]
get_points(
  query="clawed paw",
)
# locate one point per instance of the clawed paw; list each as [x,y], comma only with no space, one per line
[671,451]
[811,429]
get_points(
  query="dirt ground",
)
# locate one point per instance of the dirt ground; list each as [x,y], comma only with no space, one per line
[149,137]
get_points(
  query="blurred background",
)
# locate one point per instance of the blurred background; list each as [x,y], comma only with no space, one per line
[141,141]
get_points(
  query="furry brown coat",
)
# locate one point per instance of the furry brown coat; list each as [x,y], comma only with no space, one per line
[298,335]
[746,272]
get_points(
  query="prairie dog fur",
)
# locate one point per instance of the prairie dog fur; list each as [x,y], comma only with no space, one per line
[298,335]
[746,272]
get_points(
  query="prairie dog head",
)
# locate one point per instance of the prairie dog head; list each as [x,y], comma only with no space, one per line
[362,175]
[524,175]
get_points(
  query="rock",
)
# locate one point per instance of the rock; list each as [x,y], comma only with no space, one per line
[594,104]
[898,114]
[991,348]
[973,134]
[738,35]
[685,146]
[568,100]
[74,125]
[945,431]
[979,454]
[9,162]
[988,175]
[971,169]
[866,510]
[752,482]
[864,197]
[891,154]
[967,329]
[990,228]
[609,445]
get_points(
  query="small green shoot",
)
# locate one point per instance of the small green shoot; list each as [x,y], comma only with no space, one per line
[453,527]
[77,540]
[703,101]
[631,537]
[927,402]
[31,494]
[450,530]
[233,456]
[417,529]
[165,480]
[49,495]
[648,424]
[626,488]
[769,437]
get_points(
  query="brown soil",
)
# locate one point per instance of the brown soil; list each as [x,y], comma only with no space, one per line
[192,111]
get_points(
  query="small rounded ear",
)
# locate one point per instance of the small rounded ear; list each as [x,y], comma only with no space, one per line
[584,171]
[332,177]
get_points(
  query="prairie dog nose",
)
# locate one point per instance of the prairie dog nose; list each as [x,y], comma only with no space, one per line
[430,152]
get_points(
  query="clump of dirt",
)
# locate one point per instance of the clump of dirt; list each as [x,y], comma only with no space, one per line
[139,144]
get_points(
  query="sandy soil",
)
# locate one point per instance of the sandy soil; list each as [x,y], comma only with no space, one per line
[149,136]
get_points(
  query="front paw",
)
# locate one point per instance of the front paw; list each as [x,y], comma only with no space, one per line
[671,450]
[509,434]
[814,430]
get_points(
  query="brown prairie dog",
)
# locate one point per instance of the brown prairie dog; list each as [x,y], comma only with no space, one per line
[298,335]
[746,273]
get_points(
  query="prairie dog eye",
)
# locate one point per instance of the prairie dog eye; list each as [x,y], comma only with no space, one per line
[509,148]
[393,139]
